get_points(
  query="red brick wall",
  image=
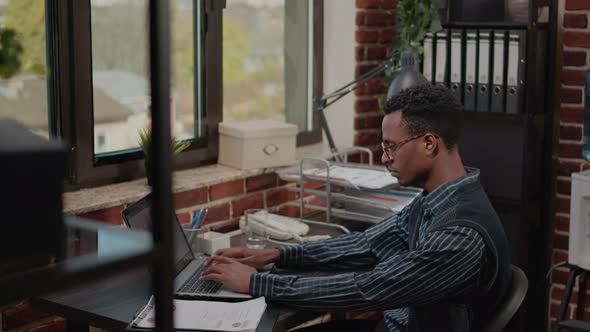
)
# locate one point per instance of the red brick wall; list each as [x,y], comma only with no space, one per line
[576,46]
[374,33]
[226,202]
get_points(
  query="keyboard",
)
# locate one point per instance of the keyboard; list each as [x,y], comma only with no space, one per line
[194,285]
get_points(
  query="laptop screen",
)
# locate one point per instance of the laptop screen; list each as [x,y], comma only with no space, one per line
[138,216]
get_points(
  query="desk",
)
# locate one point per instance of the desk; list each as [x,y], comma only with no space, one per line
[110,303]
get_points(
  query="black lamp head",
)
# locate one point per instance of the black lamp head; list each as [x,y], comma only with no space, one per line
[409,74]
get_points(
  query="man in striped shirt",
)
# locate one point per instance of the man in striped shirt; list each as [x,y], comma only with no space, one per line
[441,264]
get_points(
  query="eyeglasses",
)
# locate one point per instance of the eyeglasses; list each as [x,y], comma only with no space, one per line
[390,148]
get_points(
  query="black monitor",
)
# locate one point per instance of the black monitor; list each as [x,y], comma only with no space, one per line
[32,171]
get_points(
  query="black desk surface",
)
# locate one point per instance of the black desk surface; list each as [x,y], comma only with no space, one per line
[111,303]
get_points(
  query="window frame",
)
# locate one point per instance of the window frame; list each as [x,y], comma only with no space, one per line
[70,94]
[315,135]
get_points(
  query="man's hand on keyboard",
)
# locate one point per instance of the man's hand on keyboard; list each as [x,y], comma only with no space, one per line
[256,258]
[230,272]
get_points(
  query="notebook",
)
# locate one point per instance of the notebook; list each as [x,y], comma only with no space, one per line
[187,266]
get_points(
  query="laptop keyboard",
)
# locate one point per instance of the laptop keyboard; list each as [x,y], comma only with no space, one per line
[194,285]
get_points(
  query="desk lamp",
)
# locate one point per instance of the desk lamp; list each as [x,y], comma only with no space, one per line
[408,76]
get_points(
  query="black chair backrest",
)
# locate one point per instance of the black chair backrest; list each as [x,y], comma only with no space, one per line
[510,303]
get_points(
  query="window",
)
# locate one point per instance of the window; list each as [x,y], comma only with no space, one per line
[24,96]
[98,90]
[120,74]
[268,61]
[110,90]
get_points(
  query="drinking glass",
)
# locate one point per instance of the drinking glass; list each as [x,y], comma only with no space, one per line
[255,235]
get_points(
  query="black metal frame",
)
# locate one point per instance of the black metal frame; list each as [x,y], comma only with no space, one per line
[574,325]
[162,210]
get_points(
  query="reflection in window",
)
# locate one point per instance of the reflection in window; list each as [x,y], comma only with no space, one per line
[120,65]
[267,47]
[24,96]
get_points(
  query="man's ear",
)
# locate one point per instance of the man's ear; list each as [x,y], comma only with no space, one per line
[431,143]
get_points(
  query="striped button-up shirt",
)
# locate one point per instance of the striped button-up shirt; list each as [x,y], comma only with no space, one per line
[445,262]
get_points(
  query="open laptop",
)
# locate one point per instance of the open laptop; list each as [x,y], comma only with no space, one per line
[187,266]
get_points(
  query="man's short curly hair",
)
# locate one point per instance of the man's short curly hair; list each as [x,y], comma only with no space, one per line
[427,108]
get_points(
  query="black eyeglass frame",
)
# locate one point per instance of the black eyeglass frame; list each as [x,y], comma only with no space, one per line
[390,148]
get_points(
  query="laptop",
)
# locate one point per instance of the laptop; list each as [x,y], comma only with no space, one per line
[188,266]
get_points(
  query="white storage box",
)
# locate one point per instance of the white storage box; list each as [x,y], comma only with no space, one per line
[209,242]
[257,144]
[579,237]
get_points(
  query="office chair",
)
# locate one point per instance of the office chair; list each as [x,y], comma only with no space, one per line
[511,302]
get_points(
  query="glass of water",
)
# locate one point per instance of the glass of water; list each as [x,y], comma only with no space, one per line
[255,228]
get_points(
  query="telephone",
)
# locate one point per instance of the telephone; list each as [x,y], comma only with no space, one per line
[281,228]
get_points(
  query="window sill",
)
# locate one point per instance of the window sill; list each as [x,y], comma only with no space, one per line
[92,199]
[98,198]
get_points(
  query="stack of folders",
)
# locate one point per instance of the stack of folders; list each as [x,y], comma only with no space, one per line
[483,68]
[205,315]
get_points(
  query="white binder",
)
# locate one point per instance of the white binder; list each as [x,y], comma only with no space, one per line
[515,73]
[498,77]
[470,66]
[441,58]
[483,78]
[456,62]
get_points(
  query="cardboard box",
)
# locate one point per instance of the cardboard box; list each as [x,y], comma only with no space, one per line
[257,144]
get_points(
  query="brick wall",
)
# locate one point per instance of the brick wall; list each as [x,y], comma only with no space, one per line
[375,20]
[226,202]
[576,46]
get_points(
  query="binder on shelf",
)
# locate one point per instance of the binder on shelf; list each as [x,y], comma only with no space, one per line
[441,58]
[456,64]
[516,71]
[483,75]
[498,70]
[427,62]
[470,66]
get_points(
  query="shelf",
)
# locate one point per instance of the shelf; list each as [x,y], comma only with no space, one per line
[118,249]
[575,325]
[492,25]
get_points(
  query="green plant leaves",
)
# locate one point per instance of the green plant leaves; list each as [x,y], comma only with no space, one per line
[145,141]
[414,19]
[11,51]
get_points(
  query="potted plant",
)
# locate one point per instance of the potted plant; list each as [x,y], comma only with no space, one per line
[414,18]
[145,141]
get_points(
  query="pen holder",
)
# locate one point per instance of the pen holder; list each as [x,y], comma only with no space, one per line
[191,235]
[202,240]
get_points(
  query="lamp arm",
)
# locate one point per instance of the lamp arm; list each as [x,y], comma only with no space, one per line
[323,102]
[361,80]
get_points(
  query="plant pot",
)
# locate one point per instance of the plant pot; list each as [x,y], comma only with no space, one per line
[148,173]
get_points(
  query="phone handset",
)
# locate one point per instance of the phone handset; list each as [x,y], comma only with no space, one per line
[277,227]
